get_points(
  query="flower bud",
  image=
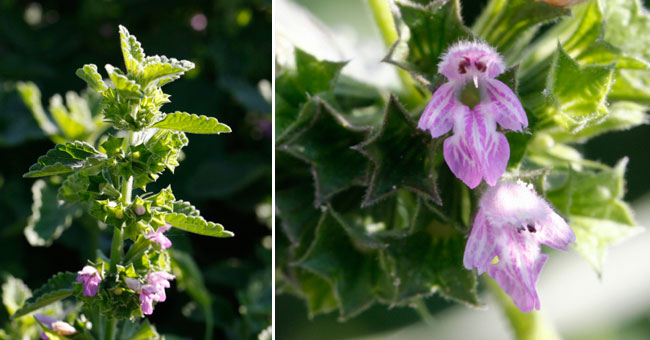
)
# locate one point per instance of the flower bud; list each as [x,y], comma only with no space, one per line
[63,328]
[139,209]
[133,284]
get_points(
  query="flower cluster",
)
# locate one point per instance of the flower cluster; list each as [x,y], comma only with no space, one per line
[155,290]
[512,221]
[56,326]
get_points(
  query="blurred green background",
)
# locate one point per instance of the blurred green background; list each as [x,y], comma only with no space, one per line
[616,306]
[228,177]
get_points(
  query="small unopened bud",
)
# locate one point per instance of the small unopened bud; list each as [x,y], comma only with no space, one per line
[133,284]
[117,291]
[139,209]
[119,214]
[63,328]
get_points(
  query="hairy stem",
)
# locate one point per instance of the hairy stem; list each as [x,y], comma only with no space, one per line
[384,19]
[526,326]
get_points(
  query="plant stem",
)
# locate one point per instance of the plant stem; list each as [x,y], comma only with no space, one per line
[423,311]
[384,19]
[116,247]
[526,326]
[110,329]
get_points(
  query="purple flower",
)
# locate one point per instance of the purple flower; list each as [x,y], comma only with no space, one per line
[511,225]
[475,150]
[154,291]
[90,279]
[158,237]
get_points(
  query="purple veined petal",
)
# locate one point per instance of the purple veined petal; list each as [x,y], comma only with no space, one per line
[437,116]
[481,245]
[554,232]
[509,112]
[460,149]
[494,150]
[520,263]
[471,53]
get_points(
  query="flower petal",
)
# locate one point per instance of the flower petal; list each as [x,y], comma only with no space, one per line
[509,112]
[554,232]
[437,116]
[481,245]
[520,263]
[494,150]
[460,149]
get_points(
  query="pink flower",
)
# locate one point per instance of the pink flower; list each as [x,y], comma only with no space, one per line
[154,291]
[90,279]
[158,237]
[475,150]
[511,225]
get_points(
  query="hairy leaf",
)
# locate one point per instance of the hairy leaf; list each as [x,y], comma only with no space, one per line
[131,50]
[58,287]
[326,145]
[191,123]
[294,88]
[32,98]
[126,87]
[50,217]
[197,225]
[90,75]
[14,294]
[163,70]
[402,156]
[65,158]
[576,94]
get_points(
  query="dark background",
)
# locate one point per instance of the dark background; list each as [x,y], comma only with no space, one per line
[227,176]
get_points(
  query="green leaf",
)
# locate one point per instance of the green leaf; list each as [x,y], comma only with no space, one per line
[576,95]
[65,158]
[627,25]
[126,87]
[334,258]
[131,50]
[317,291]
[622,115]
[89,74]
[504,22]
[58,287]
[594,236]
[71,128]
[163,70]
[432,29]
[402,156]
[631,85]
[430,260]
[31,96]
[593,201]
[146,331]
[197,225]
[14,294]
[191,123]
[50,217]
[326,144]
[294,88]
[295,206]
[51,335]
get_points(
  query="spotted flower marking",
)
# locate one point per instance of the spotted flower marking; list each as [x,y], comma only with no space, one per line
[511,225]
[471,104]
